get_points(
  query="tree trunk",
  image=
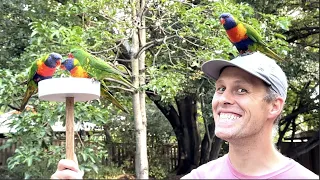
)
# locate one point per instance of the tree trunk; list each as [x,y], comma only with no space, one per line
[109,144]
[216,147]
[206,144]
[144,168]
[184,124]
[189,150]
[141,158]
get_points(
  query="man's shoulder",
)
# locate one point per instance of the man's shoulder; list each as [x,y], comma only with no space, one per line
[303,172]
[214,167]
[296,170]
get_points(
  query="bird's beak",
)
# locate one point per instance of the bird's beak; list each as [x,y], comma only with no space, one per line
[70,55]
[222,21]
[62,67]
[58,63]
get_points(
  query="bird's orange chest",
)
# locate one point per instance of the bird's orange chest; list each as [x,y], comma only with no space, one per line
[44,70]
[237,33]
[78,71]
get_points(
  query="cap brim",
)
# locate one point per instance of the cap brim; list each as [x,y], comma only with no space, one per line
[213,68]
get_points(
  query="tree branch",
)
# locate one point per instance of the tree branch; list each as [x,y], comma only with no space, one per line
[294,31]
[298,35]
[297,112]
[152,43]
[123,60]
[122,88]
[169,112]
[106,50]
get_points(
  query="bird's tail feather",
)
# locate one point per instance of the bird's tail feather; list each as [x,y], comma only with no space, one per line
[26,98]
[272,54]
[107,95]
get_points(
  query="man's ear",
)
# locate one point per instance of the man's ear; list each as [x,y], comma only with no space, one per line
[276,107]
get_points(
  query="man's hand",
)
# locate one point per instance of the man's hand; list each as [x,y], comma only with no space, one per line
[68,169]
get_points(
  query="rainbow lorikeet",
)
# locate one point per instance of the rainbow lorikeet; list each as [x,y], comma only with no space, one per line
[40,69]
[245,37]
[96,67]
[76,70]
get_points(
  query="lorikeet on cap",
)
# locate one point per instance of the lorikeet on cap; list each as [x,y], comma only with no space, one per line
[245,37]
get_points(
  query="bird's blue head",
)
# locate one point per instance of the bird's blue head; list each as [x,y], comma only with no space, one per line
[54,60]
[228,21]
[67,64]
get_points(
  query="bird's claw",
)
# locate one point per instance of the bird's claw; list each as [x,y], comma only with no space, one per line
[93,80]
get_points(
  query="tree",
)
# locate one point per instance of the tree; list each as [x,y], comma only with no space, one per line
[139,108]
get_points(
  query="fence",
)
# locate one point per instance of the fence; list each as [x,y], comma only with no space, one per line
[118,153]
[309,160]
[5,153]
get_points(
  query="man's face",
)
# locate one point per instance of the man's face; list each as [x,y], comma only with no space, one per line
[238,106]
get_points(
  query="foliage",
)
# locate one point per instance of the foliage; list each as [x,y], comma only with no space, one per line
[105,172]
[180,37]
[34,162]
[158,170]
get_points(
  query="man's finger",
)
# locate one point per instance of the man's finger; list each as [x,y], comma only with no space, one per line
[68,164]
[66,174]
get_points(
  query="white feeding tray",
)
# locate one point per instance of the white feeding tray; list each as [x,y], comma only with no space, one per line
[58,89]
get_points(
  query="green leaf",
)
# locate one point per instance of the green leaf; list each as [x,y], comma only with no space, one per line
[27,175]
[284,23]
[95,168]
[280,36]
[34,33]
[29,161]
[39,40]
[84,156]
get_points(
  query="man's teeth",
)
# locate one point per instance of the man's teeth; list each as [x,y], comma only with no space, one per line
[228,116]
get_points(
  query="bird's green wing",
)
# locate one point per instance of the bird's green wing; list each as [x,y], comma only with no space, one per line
[260,44]
[32,70]
[253,34]
[105,70]
[32,87]
[97,68]
[103,66]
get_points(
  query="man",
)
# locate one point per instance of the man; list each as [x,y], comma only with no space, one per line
[250,94]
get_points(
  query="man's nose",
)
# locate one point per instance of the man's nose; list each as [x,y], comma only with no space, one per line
[226,98]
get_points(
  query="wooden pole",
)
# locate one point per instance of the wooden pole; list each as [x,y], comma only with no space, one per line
[70,127]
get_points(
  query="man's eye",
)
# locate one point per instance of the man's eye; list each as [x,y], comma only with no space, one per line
[241,91]
[221,89]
